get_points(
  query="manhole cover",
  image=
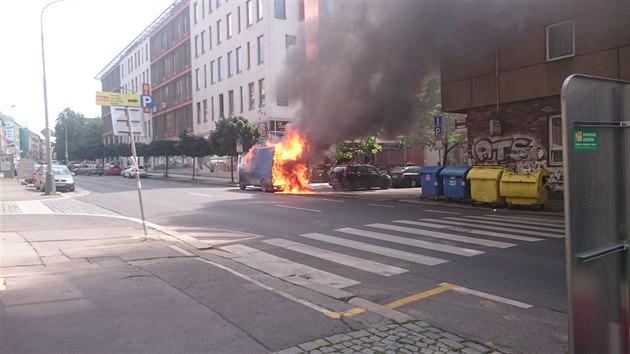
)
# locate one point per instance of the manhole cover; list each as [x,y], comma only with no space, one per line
[137,278]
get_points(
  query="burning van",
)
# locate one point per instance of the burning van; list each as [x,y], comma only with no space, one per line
[278,167]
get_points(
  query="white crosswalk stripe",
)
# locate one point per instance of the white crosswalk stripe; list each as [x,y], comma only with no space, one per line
[471,231]
[389,252]
[538,221]
[340,258]
[510,223]
[442,235]
[496,228]
[522,222]
[412,242]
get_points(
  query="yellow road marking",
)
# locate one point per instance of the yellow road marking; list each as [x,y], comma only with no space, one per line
[397,303]
[420,296]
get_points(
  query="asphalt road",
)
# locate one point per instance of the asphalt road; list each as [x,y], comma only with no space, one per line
[508,268]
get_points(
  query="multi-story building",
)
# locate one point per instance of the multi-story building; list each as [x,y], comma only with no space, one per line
[238,50]
[508,83]
[130,72]
[36,151]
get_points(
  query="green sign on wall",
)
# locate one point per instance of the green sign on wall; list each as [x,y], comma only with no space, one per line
[585,139]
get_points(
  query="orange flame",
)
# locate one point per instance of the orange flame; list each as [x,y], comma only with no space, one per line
[290,173]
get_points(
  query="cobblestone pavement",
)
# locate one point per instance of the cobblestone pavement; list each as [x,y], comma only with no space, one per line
[73,206]
[10,208]
[411,337]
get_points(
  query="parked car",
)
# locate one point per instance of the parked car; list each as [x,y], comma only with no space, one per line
[112,170]
[64,180]
[130,172]
[408,176]
[89,170]
[358,177]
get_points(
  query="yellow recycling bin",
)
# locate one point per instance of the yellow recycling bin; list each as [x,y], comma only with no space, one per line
[525,188]
[484,184]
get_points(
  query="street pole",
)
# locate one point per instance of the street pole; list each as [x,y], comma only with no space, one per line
[65,128]
[50,177]
[135,167]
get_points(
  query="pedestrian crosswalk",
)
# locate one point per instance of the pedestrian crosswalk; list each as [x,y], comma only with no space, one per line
[381,248]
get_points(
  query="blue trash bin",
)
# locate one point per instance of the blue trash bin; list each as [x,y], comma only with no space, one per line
[431,181]
[456,186]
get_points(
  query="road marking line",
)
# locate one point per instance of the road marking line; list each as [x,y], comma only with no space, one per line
[442,235]
[411,242]
[182,251]
[333,200]
[496,298]
[442,212]
[325,311]
[382,205]
[305,209]
[541,222]
[202,195]
[470,231]
[420,296]
[510,223]
[496,228]
[343,259]
[384,251]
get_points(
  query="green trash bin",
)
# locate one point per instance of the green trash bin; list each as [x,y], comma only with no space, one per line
[484,184]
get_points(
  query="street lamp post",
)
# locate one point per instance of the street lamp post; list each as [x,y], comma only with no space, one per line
[50,177]
[65,129]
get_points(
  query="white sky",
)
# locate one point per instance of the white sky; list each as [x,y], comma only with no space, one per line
[80,36]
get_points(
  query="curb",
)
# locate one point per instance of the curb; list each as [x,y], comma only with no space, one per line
[495,210]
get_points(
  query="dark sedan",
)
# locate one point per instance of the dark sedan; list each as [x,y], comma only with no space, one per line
[408,176]
[358,177]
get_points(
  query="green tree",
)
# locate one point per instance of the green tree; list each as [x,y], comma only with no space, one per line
[164,148]
[193,146]
[367,148]
[82,132]
[227,131]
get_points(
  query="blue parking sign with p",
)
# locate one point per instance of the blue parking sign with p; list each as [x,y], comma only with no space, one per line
[146,101]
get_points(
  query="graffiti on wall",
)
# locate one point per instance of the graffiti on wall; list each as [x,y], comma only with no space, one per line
[519,153]
[506,149]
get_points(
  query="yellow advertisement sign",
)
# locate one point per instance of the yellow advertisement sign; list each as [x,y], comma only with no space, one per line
[117,99]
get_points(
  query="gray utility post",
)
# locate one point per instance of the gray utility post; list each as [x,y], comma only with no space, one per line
[50,177]
[65,128]
[596,150]
[135,167]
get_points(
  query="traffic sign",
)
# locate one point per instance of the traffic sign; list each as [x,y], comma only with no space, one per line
[119,121]
[239,144]
[117,99]
[437,121]
[147,101]
[438,131]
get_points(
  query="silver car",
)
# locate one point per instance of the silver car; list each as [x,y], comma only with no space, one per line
[64,181]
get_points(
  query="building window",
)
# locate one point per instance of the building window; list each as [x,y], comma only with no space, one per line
[195,17]
[220,68]
[213,75]
[219,2]
[261,92]
[228,23]
[252,99]
[205,76]
[261,50]
[259,8]
[212,108]
[282,98]
[238,19]
[302,11]
[230,63]
[210,6]
[239,60]
[197,79]
[231,102]
[249,61]
[219,36]
[555,141]
[196,46]
[198,112]
[209,37]
[561,40]
[205,110]
[249,12]
[279,9]
[203,41]
[241,97]
[221,107]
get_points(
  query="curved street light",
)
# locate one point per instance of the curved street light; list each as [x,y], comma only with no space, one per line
[50,177]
